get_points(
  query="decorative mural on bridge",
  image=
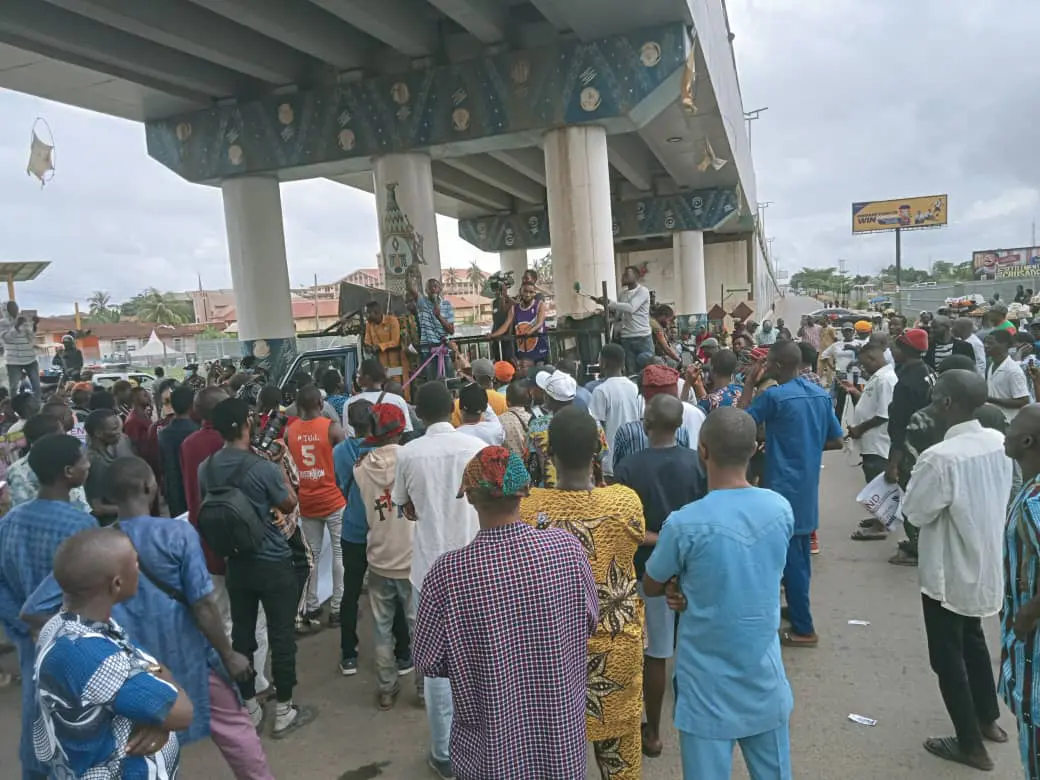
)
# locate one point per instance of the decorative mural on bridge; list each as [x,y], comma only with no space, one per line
[567,83]
[402,247]
[694,210]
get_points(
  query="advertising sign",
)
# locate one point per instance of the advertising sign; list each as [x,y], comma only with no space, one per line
[873,216]
[1006,263]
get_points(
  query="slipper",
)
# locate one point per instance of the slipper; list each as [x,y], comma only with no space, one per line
[868,522]
[902,559]
[994,733]
[948,749]
[789,639]
[304,715]
[647,750]
[867,535]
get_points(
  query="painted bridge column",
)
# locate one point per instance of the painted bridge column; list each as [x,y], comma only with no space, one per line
[580,225]
[691,299]
[407,218]
[513,261]
[259,272]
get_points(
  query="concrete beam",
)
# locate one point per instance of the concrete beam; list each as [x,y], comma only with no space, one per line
[554,12]
[484,19]
[630,157]
[68,37]
[398,23]
[193,30]
[447,179]
[497,174]
[302,26]
[529,162]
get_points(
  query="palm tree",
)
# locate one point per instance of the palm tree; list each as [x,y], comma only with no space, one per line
[160,308]
[475,277]
[451,278]
[101,308]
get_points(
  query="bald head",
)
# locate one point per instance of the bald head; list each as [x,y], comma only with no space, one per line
[784,359]
[95,562]
[664,414]
[958,393]
[728,437]
[1022,441]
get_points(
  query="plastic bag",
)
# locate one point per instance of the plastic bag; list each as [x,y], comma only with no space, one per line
[883,499]
[850,447]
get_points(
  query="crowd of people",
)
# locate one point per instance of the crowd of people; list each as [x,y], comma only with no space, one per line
[535,548]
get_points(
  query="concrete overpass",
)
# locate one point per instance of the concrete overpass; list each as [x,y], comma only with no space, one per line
[608,130]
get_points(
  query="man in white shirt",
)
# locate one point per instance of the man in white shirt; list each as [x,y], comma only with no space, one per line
[632,311]
[1006,381]
[957,496]
[429,472]
[616,400]
[870,425]
[473,406]
[371,378]
[964,330]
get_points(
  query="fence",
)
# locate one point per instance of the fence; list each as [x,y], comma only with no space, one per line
[215,349]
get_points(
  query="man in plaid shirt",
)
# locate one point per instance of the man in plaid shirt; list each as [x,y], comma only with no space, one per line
[507,619]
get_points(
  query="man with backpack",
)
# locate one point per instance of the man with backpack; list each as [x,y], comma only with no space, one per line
[240,492]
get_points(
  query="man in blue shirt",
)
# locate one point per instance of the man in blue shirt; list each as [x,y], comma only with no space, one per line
[436,318]
[728,551]
[176,615]
[800,424]
[29,536]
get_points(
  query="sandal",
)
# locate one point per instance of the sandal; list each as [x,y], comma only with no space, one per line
[947,748]
[790,639]
[902,558]
[868,535]
[648,751]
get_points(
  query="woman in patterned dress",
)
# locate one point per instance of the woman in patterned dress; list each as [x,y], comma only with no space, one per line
[608,521]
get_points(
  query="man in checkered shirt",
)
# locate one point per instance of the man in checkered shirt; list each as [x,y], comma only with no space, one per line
[507,619]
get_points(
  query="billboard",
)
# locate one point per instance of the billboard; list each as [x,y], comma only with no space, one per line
[1006,263]
[873,216]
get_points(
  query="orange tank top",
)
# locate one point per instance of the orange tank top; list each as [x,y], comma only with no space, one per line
[311,450]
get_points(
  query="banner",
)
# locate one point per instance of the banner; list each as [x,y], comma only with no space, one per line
[876,215]
[1006,263]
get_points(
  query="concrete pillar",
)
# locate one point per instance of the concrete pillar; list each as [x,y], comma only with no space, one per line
[259,273]
[691,287]
[578,189]
[514,261]
[407,219]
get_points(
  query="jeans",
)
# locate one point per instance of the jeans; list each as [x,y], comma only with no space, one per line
[355,564]
[797,576]
[259,659]
[638,350]
[432,370]
[232,731]
[314,530]
[388,598]
[960,659]
[768,755]
[14,377]
[439,706]
[250,583]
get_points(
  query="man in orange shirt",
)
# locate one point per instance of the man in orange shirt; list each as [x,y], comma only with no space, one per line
[383,337]
[310,440]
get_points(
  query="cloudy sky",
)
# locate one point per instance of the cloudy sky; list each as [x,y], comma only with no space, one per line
[866,101]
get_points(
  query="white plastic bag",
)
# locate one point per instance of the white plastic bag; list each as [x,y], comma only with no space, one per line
[850,447]
[882,499]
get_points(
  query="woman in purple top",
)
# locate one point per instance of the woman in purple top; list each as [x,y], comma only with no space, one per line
[527,321]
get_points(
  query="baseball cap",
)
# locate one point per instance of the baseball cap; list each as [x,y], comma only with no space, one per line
[557,385]
[387,421]
[504,371]
[473,399]
[482,367]
[915,338]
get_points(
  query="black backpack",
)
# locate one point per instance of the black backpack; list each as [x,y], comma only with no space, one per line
[228,521]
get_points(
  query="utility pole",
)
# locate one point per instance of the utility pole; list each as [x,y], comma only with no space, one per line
[317,320]
[751,116]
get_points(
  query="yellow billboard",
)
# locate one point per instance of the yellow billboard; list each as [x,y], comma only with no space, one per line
[876,215]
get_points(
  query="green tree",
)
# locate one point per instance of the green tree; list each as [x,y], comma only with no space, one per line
[475,277]
[209,333]
[161,308]
[816,280]
[101,308]
[543,265]
[451,276]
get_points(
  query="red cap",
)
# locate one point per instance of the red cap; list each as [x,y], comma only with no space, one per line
[915,338]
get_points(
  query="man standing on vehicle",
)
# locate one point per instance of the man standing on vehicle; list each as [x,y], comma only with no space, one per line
[18,335]
[632,310]
[436,318]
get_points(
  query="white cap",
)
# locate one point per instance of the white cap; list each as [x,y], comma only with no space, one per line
[558,385]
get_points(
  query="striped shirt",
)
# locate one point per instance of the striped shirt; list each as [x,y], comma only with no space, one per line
[1019,683]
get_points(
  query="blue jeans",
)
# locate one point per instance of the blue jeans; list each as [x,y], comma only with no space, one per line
[439,706]
[386,594]
[431,370]
[638,350]
[768,755]
[797,575]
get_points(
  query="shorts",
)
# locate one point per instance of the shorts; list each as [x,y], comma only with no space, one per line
[660,626]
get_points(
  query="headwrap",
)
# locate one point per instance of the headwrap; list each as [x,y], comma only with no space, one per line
[504,371]
[658,380]
[387,422]
[495,472]
[862,326]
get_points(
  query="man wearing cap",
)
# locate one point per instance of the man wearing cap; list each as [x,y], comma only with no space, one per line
[839,356]
[504,373]
[941,343]
[632,437]
[488,613]
[483,372]
[558,389]
[998,316]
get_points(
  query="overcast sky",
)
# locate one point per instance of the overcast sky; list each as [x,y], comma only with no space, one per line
[866,101]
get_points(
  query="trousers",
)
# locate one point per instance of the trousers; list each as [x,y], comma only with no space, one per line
[768,756]
[232,731]
[638,350]
[14,377]
[388,597]
[260,656]
[960,659]
[252,582]
[314,530]
[440,708]
[355,564]
[797,577]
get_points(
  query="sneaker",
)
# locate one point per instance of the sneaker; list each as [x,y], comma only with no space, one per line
[814,544]
[348,666]
[441,768]
[334,619]
[256,713]
[386,701]
[404,666]
[290,717]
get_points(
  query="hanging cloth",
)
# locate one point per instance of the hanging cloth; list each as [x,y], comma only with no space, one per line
[41,154]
